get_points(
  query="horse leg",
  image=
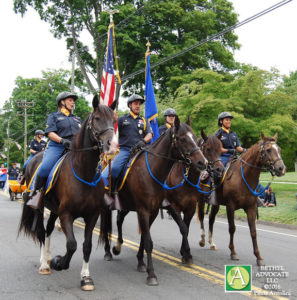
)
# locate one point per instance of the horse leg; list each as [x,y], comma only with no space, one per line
[105,226]
[116,250]
[186,255]
[145,223]
[251,216]
[141,267]
[201,204]
[230,215]
[212,217]
[86,282]
[45,253]
[62,262]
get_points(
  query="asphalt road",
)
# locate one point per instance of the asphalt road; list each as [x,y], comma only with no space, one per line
[119,279]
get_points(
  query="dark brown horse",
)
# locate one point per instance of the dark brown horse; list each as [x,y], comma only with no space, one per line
[184,199]
[239,189]
[143,190]
[78,192]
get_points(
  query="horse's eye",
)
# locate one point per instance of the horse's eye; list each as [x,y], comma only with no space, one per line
[183,140]
[269,151]
[208,150]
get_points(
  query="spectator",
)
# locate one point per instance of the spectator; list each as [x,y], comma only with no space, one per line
[3,176]
[269,199]
[13,172]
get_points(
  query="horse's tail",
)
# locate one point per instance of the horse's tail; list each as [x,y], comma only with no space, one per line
[105,225]
[31,222]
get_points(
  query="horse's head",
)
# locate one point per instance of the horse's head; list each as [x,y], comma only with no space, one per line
[212,149]
[270,155]
[185,146]
[101,124]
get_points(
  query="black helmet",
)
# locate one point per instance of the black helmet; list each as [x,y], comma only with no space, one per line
[64,95]
[170,112]
[223,115]
[38,131]
[134,98]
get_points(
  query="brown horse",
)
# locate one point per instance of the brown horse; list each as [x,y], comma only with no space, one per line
[78,192]
[184,199]
[143,190]
[239,189]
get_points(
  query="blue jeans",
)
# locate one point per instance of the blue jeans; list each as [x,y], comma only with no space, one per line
[27,161]
[50,157]
[225,157]
[117,164]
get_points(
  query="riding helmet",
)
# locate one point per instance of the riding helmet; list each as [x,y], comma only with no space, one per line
[222,116]
[134,98]
[170,112]
[38,131]
[64,95]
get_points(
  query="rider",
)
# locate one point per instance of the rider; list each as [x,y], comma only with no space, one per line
[61,126]
[229,138]
[134,132]
[169,116]
[36,145]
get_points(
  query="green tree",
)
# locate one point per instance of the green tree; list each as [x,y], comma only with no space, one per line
[169,25]
[255,100]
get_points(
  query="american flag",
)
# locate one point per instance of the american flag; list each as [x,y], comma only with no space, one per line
[108,76]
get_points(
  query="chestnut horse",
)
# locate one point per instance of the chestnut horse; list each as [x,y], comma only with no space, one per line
[240,188]
[184,198]
[143,190]
[78,192]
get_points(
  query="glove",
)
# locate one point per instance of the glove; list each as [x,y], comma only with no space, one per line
[231,151]
[140,144]
[66,143]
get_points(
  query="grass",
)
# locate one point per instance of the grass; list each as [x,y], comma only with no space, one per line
[285,211]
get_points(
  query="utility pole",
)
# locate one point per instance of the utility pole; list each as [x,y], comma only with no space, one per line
[72,73]
[25,105]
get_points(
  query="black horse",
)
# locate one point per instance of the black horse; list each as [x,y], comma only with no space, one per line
[143,190]
[78,192]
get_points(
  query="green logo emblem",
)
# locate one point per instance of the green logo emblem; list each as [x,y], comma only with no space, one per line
[238,278]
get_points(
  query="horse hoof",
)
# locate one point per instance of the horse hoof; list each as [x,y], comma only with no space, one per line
[115,250]
[108,257]
[45,271]
[87,284]
[213,247]
[187,261]
[55,263]
[152,281]
[141,268]
[234,257]
[260,262]
[201,244]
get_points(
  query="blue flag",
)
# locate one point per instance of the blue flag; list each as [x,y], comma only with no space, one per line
[151,110]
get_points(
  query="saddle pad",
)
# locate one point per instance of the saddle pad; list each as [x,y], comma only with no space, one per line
[52,174]
[32,181]
[122,178]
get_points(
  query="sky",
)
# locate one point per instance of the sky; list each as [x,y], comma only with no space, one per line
[28,47]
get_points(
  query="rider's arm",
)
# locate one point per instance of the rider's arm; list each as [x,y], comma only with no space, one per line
[148,138]
[54,137]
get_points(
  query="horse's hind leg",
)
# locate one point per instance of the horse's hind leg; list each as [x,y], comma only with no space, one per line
[87,283]
[62,262]
[212,217]
[251,216]
[45,253]
[201,204]
[145,222]
[232,228]
[120,220]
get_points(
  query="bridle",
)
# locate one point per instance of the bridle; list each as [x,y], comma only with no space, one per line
[211,163]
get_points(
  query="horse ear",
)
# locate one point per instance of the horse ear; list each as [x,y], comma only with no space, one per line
[95,101]
[176,123]
[114,105]
[275,137]
[262,136]
[189,121]
[203,135]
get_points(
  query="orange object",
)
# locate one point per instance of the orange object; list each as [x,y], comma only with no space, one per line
[15,186]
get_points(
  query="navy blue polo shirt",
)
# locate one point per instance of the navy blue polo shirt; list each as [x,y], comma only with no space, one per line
[163,128]
[64,126]
[132,129]
[37,146]
[229,140]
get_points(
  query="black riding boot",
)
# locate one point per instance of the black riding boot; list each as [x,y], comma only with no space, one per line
[35,195]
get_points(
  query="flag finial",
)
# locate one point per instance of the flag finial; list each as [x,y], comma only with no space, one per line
[111,12]
[148,44]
